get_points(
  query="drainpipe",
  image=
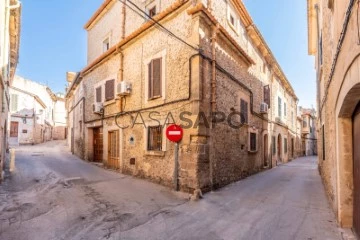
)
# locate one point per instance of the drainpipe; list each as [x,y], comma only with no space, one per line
[213,67]
[318,57]
[121,68]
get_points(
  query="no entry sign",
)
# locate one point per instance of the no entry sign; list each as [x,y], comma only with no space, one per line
[174,133]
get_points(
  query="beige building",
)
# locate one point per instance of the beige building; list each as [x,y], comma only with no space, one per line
[10,11]
[201,64]
[35,116]
[334,41]
[308,131]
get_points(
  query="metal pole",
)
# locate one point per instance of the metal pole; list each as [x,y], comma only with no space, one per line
[176,167]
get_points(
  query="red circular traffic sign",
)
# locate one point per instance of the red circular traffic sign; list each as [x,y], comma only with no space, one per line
[174,133]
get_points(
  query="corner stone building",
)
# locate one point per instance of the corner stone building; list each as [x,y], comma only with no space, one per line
[204,57]
[334,41]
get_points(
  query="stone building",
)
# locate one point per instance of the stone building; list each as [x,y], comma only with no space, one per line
[35,116]
[308,131]
[10,13]
[334,41]
[201,64]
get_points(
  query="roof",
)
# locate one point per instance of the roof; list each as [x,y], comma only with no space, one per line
[14,31]
[36,97]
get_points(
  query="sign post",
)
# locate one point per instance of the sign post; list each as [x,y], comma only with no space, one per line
[175,133]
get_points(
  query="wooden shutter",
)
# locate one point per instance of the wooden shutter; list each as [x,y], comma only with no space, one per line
[244,111]
[279,106]
[267,95]
[109,89]
[155,76]
[98,94]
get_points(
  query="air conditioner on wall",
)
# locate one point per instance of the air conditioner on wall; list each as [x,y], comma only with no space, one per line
[98,108]
[264,108]
[124,88]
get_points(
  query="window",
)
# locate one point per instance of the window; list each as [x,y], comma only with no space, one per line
[274,145]
[267,95]
[253,147]
[154,78]
[285,109]
[285,145]
[14,102]
[304,123]
[110,90]
[98,95]
[106,44]
[279,106]
[292,119]
[152,11]
[232,20]
[154,138]
[244,111]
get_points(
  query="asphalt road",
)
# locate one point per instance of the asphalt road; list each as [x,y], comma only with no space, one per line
[54,195]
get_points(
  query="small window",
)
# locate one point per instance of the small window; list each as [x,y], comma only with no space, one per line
[285,109]
[152,12]
[267,95]
[155,78]
[106,44]
[98,95]
[244,111]
[232,20]
[24,131]
[274,145]
[253,147]
[285,145]
[304,123]
[154,138]
[110,90]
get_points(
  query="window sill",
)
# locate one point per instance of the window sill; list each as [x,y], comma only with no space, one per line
[155,153]
[109,102]
[252,152]
[154,98]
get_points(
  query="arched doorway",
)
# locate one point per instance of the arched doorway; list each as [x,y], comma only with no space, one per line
[266,150]
[279,145]
[356,171]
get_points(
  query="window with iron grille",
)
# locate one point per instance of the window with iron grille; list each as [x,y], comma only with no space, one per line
[155,78]
[285,145]
[274,145]
[154,138]
[244,111]
[253,147]
[110,90]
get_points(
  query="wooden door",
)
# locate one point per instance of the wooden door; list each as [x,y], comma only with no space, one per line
[14,129]
[356,143]
[98,145]
[113,150]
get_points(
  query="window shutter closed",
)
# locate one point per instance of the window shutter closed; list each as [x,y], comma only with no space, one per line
[155,72]
[109,89]
[244,111]
[98,94]
[267,95]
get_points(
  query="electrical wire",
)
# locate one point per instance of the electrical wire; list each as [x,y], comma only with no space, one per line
[146,16]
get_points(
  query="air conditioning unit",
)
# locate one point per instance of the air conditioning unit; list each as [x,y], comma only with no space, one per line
[264,108]
[124,88]
[98,108]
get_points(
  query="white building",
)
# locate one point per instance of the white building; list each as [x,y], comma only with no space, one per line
[36,116]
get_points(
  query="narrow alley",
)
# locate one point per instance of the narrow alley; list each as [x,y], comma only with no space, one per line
[54,195]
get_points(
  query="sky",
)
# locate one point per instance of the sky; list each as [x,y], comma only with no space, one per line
[53,40]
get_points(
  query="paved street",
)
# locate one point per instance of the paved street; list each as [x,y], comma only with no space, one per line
[54,195]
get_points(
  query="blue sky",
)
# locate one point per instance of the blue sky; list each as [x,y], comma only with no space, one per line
[53,40]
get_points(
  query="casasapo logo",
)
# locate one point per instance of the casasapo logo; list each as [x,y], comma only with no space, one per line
[186,120]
